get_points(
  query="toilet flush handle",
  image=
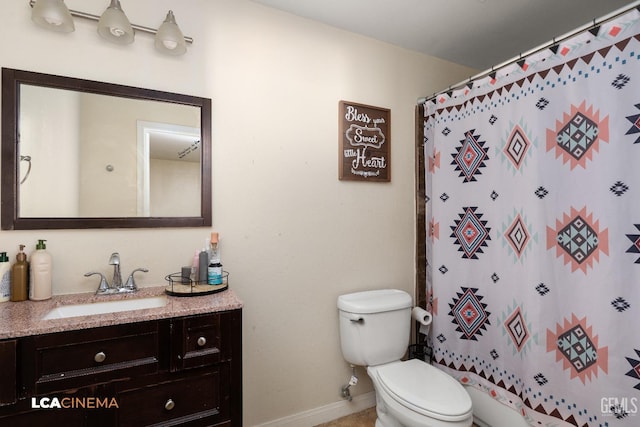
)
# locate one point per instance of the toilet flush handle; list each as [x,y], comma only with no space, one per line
[355,318]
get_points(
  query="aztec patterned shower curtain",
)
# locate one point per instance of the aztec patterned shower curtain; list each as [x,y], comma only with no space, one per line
[533,230]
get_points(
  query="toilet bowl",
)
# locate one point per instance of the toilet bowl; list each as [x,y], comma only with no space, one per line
[374,332]
[416,394]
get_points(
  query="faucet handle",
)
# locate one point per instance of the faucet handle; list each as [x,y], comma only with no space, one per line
[104,286]
[130,285]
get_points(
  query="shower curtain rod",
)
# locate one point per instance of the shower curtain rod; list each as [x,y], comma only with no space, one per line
[555,40]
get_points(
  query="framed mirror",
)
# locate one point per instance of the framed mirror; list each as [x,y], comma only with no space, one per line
[85,154]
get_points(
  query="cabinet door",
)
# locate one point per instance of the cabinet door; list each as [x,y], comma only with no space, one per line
[8,385]
[221,347]
[196,342]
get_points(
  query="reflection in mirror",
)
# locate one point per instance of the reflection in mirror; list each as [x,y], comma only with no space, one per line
[92,154]
[168,169]
[101,173]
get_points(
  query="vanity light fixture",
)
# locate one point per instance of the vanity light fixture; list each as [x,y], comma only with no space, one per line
[169,38]
[53,14]
[113,25]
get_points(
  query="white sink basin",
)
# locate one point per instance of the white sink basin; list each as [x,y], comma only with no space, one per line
[102,307]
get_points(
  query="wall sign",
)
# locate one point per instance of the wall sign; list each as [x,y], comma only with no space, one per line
[365,139]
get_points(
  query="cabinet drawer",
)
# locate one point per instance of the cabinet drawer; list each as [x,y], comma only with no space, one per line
[197,341]
[92,356]
[197,400]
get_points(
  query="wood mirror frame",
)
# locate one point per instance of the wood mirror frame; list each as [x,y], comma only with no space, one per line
[10,208]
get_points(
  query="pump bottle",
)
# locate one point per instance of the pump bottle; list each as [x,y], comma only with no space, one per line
[20,277]
[5,277]
[40,273]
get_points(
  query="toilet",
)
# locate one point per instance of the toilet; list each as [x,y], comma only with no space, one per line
[374,332]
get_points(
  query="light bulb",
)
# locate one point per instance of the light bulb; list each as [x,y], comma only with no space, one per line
[53,21]
[169,44]
[118,32]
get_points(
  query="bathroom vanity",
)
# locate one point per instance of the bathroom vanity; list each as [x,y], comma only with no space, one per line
[178,364]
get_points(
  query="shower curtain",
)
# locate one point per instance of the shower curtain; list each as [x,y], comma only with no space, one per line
[533,230]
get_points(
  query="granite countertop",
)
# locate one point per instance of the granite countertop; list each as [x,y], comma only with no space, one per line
[18,319]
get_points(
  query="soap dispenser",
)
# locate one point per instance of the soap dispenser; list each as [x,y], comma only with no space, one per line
[20,277]
[5,277]
[40,273]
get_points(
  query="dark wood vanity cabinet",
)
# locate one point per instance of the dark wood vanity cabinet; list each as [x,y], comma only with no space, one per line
[8,383]
[177,371]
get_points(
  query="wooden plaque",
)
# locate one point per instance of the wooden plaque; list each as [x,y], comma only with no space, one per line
[365,143]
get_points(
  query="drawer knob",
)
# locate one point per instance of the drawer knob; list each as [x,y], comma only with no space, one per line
[202,341]
[169,405]
[100,357]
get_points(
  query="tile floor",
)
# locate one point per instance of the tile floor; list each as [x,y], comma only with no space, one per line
[366,418]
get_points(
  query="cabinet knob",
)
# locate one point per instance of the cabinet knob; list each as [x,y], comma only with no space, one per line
[169,405]
[202,341]
[99,357]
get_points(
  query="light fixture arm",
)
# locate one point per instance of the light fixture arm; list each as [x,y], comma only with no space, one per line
[96,18]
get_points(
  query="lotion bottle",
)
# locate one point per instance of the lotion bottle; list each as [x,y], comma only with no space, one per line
[5,277]
[20,277]
[40,273]
[214,272]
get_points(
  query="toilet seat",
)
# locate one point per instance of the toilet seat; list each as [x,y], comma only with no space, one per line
[424,389]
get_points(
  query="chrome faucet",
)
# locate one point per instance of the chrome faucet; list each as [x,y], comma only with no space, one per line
[116,285]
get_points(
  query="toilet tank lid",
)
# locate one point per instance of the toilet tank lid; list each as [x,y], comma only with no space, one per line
[376,301]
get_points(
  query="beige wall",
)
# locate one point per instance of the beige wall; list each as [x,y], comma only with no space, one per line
[292,235]
[171,188]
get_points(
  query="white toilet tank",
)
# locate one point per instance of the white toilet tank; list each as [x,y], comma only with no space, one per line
[374,326]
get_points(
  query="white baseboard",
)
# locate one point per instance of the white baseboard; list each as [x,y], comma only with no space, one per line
[325,413]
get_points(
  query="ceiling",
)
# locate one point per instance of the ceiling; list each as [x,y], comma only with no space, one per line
[475,33]
[174,146]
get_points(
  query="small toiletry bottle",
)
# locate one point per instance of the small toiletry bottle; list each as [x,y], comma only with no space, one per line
[186,275]
[203,263]
[20,277]
[5,277]
[214,272]
[40,273]
[194,267]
